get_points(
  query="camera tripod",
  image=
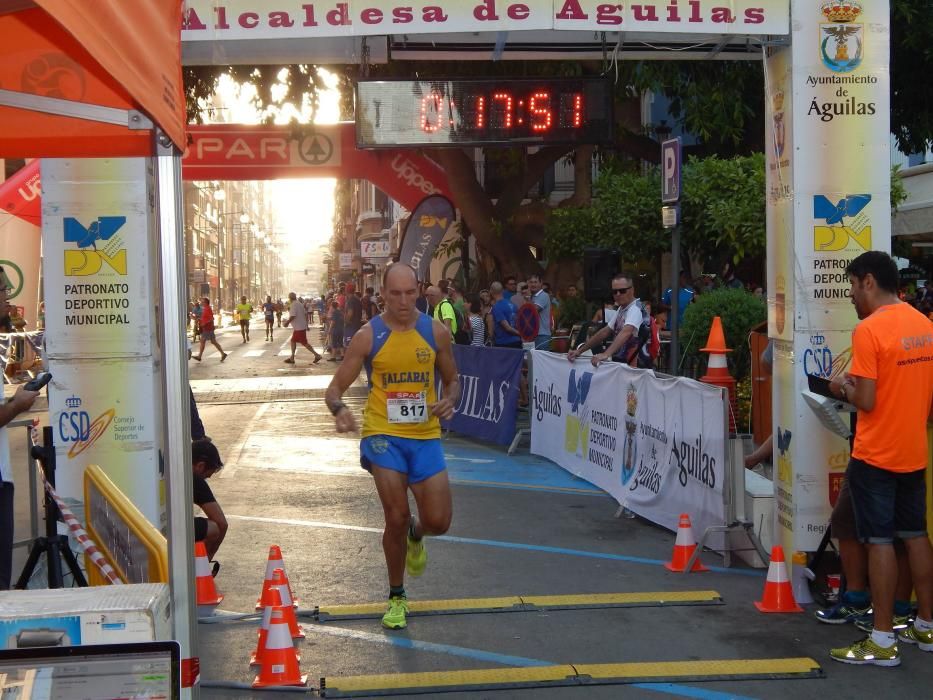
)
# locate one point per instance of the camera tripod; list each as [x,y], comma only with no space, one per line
[53,545]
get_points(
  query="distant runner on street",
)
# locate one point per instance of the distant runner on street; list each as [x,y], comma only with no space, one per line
[402,349]
[298,318]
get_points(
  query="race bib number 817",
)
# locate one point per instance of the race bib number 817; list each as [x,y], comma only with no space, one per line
[406,406]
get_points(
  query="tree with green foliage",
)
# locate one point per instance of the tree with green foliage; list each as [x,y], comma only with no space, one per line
[723,208]
[739,311]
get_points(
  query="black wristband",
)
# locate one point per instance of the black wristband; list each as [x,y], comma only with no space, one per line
[337,407]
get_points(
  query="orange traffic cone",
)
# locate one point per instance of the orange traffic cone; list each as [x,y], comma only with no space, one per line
[282,589]
[207,596]
[717,369]
[684,546]
[778,596]
[716,341]
[274,562]
[278,662]
[256,657]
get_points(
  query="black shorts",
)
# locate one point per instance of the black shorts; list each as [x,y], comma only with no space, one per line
[887,504]
[200,529]
[244,323]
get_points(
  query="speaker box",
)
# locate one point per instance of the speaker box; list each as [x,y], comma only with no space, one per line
[599,265]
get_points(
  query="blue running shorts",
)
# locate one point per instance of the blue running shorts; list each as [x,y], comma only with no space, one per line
[419,459]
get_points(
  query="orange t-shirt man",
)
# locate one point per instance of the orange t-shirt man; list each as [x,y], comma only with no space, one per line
[894,347]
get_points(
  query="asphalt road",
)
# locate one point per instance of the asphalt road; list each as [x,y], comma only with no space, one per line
[522,526]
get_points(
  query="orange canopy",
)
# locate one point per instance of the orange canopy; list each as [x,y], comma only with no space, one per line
[104,53]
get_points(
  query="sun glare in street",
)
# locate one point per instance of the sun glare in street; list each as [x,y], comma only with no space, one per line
[304,208]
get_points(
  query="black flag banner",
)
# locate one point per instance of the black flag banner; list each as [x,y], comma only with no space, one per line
[424,231]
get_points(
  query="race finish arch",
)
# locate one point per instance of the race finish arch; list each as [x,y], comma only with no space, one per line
[826,66]
[239,152]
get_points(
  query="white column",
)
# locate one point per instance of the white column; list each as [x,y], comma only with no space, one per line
[828,170]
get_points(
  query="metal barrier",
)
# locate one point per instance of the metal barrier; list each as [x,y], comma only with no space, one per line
[20,353]
[129,543]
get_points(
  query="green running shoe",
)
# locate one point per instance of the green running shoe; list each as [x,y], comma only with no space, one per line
[842,613]
[417,557]
[901,623]
[912,635]
[866,651]
[394,619]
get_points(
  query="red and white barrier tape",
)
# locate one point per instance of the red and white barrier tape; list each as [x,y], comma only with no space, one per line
[87,544]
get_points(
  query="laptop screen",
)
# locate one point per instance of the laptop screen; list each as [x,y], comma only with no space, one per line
[142,671]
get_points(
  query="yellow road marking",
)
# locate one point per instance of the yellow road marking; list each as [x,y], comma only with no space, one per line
[525,603]
[440,679]
[597,599]
[699,669]
[422,606]
[577,674]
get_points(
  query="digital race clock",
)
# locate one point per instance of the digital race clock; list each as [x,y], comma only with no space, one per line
[476,112]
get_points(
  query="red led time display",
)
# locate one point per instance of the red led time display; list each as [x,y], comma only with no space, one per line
[392,113]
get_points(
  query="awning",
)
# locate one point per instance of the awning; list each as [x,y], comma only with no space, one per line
[115,63]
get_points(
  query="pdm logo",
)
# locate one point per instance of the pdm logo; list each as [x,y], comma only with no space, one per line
[87,259]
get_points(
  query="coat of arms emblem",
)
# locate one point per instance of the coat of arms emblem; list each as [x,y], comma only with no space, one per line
[841,38]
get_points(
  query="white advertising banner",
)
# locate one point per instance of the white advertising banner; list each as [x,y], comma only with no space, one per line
[96,257]
[109,423]
[255,19]
[374,249]
[20,245]
[98,265]
[655,445]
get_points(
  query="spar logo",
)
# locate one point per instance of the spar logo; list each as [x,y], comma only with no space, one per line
[576,431]
[841,39]
[87,258]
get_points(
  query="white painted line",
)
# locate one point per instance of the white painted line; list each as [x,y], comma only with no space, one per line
[305,523]
[254,353]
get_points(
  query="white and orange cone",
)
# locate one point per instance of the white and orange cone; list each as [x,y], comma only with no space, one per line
[282,589]
[278,660]
[274,562]
[779,595]
[255,657]
[684,546]
[207,596]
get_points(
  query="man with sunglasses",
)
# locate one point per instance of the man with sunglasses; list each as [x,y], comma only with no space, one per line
[624,329]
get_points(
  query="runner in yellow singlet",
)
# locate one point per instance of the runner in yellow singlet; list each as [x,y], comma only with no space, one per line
[244,310]
[402,349]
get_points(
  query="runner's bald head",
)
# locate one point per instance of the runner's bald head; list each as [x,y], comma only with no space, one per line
[394,270]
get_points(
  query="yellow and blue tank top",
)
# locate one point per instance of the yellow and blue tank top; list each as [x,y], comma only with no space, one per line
[400,367]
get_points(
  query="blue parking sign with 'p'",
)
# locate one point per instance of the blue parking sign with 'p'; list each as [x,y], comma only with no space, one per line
[670,171]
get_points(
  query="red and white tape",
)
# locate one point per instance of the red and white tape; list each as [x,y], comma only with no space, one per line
[87,544]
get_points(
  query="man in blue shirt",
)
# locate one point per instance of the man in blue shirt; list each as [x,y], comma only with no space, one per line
[503,319]
[684,297]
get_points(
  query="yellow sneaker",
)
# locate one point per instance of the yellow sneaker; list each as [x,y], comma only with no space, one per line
[866,651]
[924,640]
[394,619]
[417,557]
